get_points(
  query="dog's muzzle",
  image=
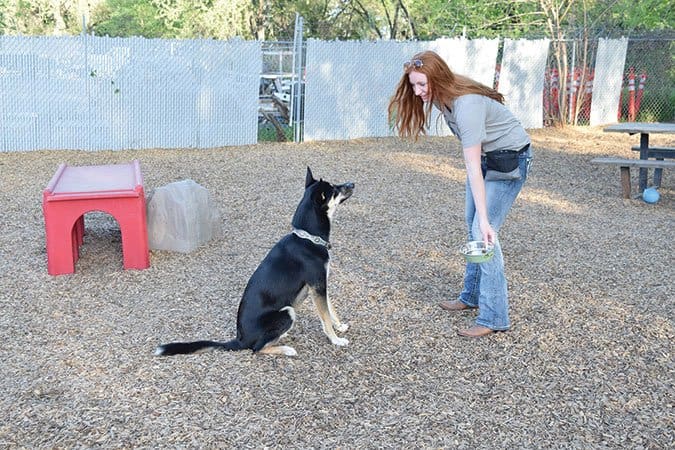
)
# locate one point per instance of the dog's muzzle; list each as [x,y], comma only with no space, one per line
[346,191]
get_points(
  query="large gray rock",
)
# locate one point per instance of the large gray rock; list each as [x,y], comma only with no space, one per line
[181,217]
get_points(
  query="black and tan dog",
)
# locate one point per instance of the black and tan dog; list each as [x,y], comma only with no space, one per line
[297,264]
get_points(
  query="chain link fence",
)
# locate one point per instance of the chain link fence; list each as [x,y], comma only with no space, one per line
[91,92]
[276,96]
[650,76]
[282,87]
[647,92]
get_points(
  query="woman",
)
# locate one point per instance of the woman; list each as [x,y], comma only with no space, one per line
[497,156]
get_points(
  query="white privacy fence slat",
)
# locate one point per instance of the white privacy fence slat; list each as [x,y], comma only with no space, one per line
[96,93]
[521,79]
[474,58]
[609,66]
[349,84]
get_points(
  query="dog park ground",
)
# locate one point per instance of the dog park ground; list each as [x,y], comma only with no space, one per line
[588,362]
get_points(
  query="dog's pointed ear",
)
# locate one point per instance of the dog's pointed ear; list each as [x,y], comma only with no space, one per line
[309,178]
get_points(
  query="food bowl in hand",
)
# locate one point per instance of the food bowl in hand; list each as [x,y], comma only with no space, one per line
[478,251]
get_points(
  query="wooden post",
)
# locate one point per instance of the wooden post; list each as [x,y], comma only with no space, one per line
[625,181]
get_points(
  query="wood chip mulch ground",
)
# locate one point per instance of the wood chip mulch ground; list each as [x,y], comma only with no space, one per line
[587,364]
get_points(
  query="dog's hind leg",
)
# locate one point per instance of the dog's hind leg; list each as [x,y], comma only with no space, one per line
[285,350]
[328,317]
[277,325]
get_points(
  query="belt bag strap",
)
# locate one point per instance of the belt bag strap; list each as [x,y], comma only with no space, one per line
[524,149]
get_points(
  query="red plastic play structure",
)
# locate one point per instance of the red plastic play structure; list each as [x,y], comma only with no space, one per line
[76,190]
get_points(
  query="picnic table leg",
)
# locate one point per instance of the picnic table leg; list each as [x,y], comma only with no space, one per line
[644,148]
[625,182]
[657,175]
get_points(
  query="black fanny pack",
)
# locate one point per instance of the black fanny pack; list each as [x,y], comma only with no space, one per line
[504,160]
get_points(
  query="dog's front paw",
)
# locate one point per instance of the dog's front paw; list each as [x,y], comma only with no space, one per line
[288,351]
[342,327]
[340,341]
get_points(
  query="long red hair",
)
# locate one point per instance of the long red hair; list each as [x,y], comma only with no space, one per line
[406,110]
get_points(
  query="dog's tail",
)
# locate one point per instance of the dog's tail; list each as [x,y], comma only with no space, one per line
[184,348]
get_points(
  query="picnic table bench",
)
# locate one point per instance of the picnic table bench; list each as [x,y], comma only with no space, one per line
[626,164]
[657,152]
[646,152]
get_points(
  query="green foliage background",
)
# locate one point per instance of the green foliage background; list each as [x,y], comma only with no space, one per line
[338,19]
[273,20]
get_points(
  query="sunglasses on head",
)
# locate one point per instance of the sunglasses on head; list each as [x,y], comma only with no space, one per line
[416,63]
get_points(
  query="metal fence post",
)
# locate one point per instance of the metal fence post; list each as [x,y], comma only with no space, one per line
[87,81]
[297,110]
[570,84]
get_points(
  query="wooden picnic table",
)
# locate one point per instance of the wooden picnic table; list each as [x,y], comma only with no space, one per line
[645,129]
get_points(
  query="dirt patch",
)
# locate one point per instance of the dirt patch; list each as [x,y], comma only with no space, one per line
[587,364]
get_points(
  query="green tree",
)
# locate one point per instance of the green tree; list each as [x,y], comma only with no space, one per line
[43,17]
[622,17]
[28,17]
[338,19]
[499,18]
[219,19]
[119,18]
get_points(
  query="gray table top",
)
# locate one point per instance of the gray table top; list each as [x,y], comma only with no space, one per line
[641,127]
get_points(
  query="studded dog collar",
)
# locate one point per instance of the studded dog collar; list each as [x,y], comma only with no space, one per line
[310,237]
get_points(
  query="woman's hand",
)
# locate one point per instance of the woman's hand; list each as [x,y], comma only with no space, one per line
[487,232]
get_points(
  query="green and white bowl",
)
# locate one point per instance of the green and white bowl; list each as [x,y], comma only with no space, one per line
[477,251]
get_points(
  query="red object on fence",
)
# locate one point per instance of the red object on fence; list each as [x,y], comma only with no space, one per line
[631,95]
[547,95]
[585,111]
[573,88]
[640,91]
[551,102]
[618,115]
[555,91]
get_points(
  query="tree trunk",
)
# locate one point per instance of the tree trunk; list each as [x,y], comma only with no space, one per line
[59,23]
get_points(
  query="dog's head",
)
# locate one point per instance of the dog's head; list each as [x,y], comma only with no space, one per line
[327,196]
[319,203]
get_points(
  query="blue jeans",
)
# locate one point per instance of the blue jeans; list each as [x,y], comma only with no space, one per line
[485,283]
